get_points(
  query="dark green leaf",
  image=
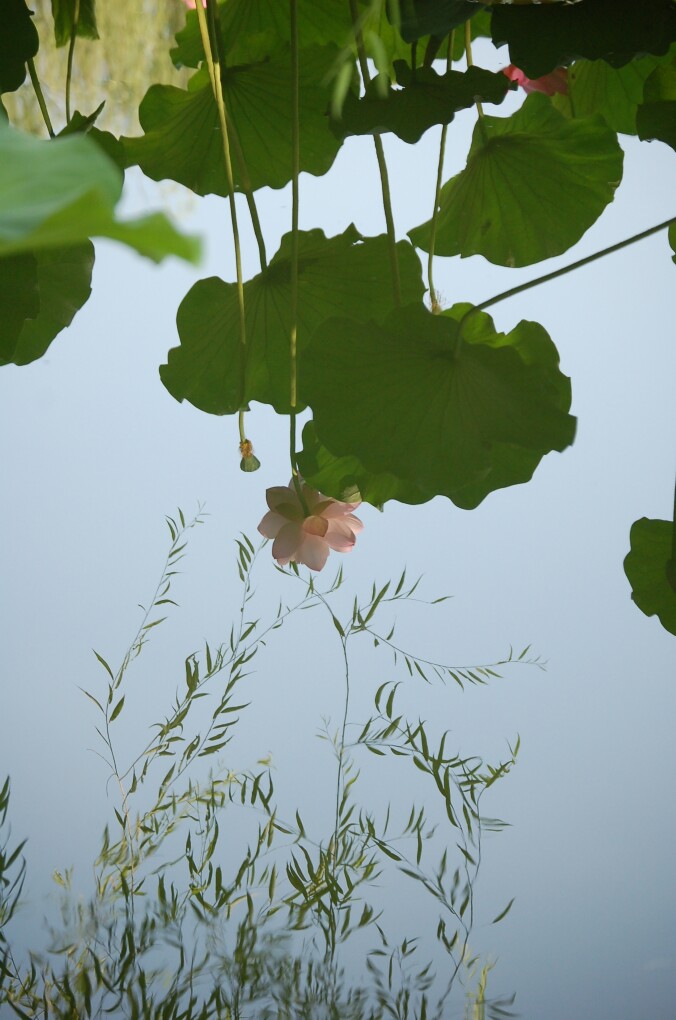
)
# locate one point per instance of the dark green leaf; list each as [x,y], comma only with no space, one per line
[63,12]
[656,118]
[79,124]
[425,406]
[418,18]
[541,38]
[64,284]
[533,184]
[19,299]
[18,43]
[252,30]
[672,240]
[335,274]
[647,566]
[423,99]
[59,193]
[182,138]
[596,87]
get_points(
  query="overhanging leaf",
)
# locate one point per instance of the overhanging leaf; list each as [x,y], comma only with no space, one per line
[61,192]
[541,38]
[417,18]
[334,274]
[182,139]
[533,184]
[346,478]
[18,43]
[646,566]
[19,298]
[64,12]
[656,117]
[64,285]
[412,399]
[252,30]
[425,98]
[596,87]
[672,240]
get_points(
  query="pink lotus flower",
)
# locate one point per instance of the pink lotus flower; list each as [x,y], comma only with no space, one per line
[556,81]
[301,538]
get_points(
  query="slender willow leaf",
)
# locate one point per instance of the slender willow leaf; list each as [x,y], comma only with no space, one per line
[533,184]
[336,274]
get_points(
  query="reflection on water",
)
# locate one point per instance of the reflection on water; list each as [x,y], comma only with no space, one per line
[131,54]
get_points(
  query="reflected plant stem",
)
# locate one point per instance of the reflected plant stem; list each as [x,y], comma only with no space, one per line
[470,63]
[295,202]
[215,77]
[71,52]
[434,301]
[513,291]
[382,164]
[37,88]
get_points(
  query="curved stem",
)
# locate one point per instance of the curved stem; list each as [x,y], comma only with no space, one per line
[37,88]
[470,63]
[382,164]
[215,75]
[434,301]
[71,52]
[561,272]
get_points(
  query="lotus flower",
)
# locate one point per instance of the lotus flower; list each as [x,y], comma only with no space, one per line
[307,538]
[556,81]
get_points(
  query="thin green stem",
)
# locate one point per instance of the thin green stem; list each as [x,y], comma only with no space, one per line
[470,63]
[215,75]
[434,300]
[513,291]
[37,88]
[71,53]
[380,156]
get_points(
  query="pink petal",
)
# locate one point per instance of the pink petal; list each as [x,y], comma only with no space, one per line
[279,496]
[271,524]
[288,540]
[340,536]
[315,526]
[314,552]
[338,509]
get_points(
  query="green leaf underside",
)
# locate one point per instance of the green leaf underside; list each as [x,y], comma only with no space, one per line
[646,568]
[426,99]
[615,93]
[656,117]
[335,275]
[18,43]
[531,191]
[252,30]
[182,139]
[64,285]
[419,18]
[425,415]
[63,12]
[541,38]
[19,299]
[60,193]
[672,240]
[344,477]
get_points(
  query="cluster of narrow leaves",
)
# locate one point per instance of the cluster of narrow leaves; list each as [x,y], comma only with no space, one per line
[184,922]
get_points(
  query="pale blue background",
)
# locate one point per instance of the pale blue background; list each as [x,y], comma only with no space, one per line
[95,453]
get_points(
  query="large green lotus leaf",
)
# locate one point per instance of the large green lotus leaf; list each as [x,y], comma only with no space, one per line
[411,398]
[335,275]
[651,570]
[417,18]
[84,124]
[512,464]
[63,12]
[19,298]
[252,30]
[18,43]
[182,139]
[61,192]
[531,188]
[672,239]
[423,98]
[346,478]
[615,93]
[541,38]
[656,117]
[64,285]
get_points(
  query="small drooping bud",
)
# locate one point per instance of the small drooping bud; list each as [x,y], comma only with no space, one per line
[249,461]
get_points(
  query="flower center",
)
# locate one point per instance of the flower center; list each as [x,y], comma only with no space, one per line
[316,525]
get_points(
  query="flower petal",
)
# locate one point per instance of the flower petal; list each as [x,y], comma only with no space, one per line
[284,500]
[315,526]
[313,552]
[338,509]
[271,524]
[288,540]
[340,536]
